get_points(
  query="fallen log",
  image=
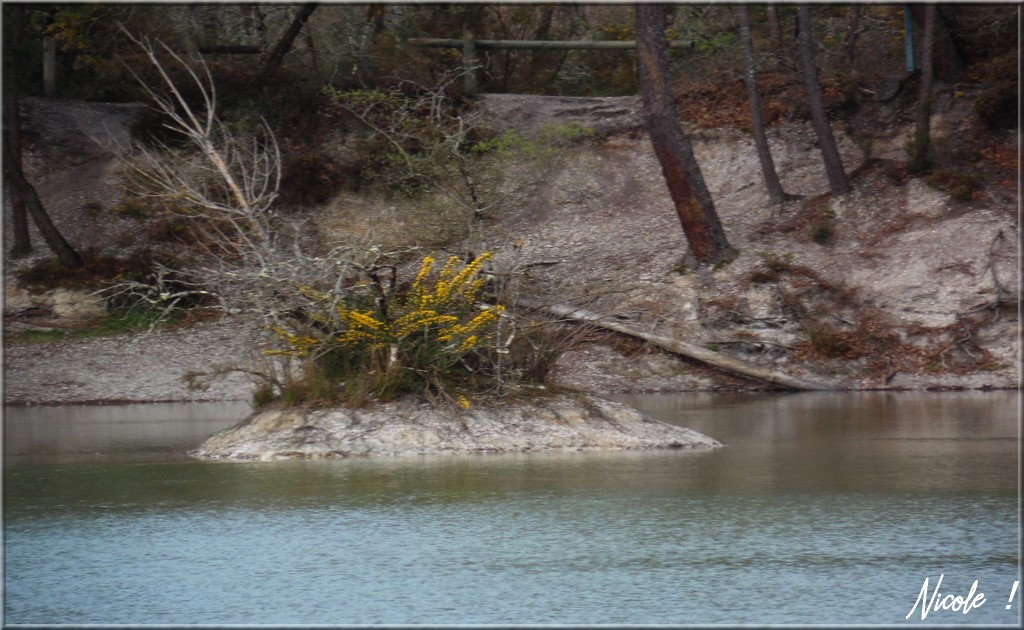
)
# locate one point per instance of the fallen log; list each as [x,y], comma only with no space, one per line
[714,359]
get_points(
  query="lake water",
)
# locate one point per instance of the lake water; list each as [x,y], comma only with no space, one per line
[823,508]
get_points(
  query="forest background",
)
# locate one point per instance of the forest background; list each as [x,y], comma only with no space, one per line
[284,65]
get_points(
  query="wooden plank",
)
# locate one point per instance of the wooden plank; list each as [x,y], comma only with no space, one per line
[230,49]
[430,42]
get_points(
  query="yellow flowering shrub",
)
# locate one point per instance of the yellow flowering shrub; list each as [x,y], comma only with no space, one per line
[387,341]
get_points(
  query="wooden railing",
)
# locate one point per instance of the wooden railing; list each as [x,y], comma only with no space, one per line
[470,44]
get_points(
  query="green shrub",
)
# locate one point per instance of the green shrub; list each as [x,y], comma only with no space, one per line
[263,395]
[563,134]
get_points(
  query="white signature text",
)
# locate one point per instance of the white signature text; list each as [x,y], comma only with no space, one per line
[956,603]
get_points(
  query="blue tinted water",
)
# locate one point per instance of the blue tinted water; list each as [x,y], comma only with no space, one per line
[821,509]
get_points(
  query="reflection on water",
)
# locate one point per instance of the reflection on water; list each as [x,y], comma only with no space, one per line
[821,509]
[854,442]
[101,432]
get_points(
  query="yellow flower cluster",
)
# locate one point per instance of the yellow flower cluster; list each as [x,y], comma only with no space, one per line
[419,320]
[300,344]
[482,320]
[439,305]
[469,343]
[365,320]
[453,289]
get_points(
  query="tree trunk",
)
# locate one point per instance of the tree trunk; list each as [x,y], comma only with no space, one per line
[372,27]
[947,61]
[775,27]
[920,149]
[540,59]
[12,131]
[259,26]
[693,202]
[12,146]
[22,245]
[283,45]
[837,181]
[764,154]
[24,198]
[314,56]
[852,33]
[210,23]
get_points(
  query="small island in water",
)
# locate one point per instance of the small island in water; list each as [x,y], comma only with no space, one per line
[562,422]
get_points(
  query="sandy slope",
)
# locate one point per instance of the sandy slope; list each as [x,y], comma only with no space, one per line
[907,257]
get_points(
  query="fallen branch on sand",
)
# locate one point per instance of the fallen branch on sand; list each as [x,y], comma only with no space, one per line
[714,359]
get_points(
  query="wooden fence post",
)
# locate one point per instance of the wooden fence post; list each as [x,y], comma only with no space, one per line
[49,67]
[469,61]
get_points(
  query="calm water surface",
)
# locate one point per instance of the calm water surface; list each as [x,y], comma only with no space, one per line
[821,509]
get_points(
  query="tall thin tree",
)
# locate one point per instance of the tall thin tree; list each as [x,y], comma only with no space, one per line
[276,54]
[541,60]
[23,196]
[22,239]
[14,20]
[693,202]
[852,33]
[24,199]
[920,148]
[947,59]
[764,154]
[837,180]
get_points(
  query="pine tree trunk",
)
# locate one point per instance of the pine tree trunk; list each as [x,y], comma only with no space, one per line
[837,181]
[693,202]
[764,154]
